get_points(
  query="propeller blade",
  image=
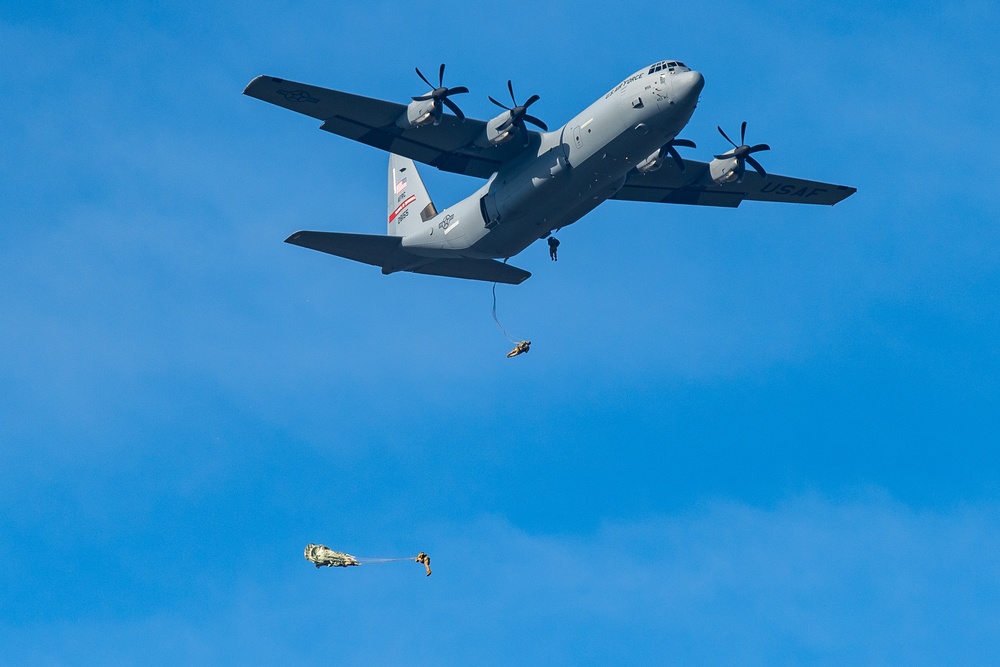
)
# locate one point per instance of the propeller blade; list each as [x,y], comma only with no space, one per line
[687,143]
[454,108]
[441,76]
[423,78]
[422,98]
[676,156]
[458,90]
[518,116]
[741,153]
[723,133]
[756,165]
[536,122]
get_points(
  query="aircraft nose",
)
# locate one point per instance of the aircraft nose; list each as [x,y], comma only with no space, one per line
[688,85]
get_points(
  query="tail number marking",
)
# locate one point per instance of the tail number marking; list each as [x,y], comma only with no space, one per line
[399,209]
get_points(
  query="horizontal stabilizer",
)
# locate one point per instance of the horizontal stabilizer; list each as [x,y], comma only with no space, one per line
[388,253]
[489,270]
[367,248]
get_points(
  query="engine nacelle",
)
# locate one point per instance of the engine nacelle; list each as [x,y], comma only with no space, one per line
[653,162]
[725,170]
[495,135]
[419,114]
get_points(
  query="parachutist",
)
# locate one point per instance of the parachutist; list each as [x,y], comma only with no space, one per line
[426,560]
[553,248]
[520,348]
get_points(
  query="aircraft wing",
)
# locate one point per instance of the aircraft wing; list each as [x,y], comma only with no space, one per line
[670,185]
[449,146]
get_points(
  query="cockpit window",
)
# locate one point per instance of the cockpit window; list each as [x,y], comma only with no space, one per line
[665,65]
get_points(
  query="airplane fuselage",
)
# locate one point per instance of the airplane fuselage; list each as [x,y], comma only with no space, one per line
[563,175]
[535,182]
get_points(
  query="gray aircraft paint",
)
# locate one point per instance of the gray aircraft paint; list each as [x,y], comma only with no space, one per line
[560,179]
[541,181]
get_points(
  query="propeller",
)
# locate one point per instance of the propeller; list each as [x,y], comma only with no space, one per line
[519,112]
[440,94]
[743,151]
[687,143]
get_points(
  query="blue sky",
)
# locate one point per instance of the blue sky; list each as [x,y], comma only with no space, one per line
[753,436]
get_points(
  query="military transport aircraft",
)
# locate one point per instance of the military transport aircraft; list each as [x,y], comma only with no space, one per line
[623,146]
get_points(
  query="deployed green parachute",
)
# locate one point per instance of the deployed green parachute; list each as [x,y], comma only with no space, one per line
[321,556]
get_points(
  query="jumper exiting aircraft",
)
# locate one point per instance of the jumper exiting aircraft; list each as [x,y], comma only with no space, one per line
[623,146]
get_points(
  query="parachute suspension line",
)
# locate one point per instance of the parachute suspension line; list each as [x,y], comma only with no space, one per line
[520,346]
[506,335]
[421,558]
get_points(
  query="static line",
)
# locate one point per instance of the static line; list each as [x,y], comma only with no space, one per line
[506,335]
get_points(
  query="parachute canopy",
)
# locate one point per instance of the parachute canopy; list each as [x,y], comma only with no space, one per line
[321,555]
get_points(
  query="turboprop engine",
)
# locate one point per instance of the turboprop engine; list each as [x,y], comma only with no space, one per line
[427,109]
[419,114]
[657,157]
[499,130]
[511,122]
[724,170]
[731,165]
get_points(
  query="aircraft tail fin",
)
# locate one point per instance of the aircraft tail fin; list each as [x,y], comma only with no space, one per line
[409,203]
